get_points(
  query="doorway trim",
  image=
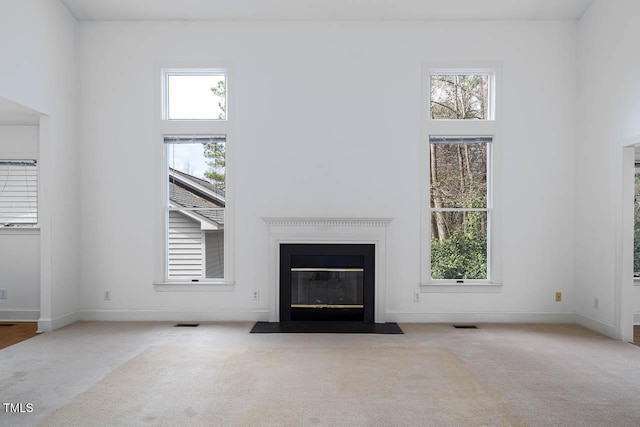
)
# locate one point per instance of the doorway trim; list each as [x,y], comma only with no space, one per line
[624,283]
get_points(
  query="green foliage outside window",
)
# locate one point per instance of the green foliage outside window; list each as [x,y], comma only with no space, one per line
[458,180]
[463,254]
[215,152]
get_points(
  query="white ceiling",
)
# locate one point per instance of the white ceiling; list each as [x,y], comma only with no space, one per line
[316,10]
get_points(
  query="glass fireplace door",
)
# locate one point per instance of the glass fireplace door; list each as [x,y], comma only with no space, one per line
[328,292]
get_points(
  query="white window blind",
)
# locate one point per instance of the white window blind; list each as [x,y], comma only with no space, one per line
[18,193]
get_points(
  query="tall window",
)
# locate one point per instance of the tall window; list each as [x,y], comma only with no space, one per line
[460,207]
[459,131]
[18,193]
[195,135]
[196,205]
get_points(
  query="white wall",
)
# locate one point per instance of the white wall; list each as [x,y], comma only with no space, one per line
[17,141]
[609,107]
[19,248]
[38,69]
[327,123]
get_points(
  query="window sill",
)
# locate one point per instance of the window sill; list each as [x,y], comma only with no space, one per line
[461,120]
[184,286]
[460,287]
[19,230]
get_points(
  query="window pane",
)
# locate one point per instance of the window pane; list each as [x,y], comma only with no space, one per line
[200,157]
[460,97]
[196,243]
[458,174]
[196,179]
[18,193]
[459,245]
[197,97]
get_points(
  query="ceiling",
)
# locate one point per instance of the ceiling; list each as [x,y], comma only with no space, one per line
[319,10]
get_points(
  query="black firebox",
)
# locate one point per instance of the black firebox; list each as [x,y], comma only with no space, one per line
[332,282]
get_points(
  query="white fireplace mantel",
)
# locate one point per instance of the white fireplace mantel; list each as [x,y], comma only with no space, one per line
[284,230]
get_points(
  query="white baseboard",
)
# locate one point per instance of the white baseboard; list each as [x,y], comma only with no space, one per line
[499,317]
[598,326]
[19,315]
[263,315]
[98,315]
[636,318]
[48,325]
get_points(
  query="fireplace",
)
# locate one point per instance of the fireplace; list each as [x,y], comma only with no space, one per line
[284,231]
[327,282]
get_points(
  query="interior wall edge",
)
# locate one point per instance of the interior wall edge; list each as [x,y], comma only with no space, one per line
[598,326]
[51,324]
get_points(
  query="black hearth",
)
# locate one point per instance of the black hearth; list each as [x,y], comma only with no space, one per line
[327,282]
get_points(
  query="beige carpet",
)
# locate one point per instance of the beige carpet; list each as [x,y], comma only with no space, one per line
[350,386]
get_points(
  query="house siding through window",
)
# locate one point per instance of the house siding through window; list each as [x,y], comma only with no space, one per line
[185,246]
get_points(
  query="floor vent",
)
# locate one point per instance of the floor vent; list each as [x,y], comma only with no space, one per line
[187,325]
[7,324]
[465,326]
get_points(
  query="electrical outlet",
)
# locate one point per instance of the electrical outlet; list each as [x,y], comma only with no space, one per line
[255,295]
[107,295]
[3,294]
[416,296]
[558,296]
[596,303]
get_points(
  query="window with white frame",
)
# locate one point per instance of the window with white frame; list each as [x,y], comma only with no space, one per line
[460,206]
[195,135]
[18,193]
[459,135]
[196,205]
[195,94]
[457,96]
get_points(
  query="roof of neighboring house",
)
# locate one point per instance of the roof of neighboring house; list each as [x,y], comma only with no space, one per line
[203,182]
[191,192]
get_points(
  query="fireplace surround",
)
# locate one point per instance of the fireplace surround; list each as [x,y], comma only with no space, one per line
[328,231]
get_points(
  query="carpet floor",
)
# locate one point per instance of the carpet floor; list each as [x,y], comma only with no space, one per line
[269,386]
[218,374]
